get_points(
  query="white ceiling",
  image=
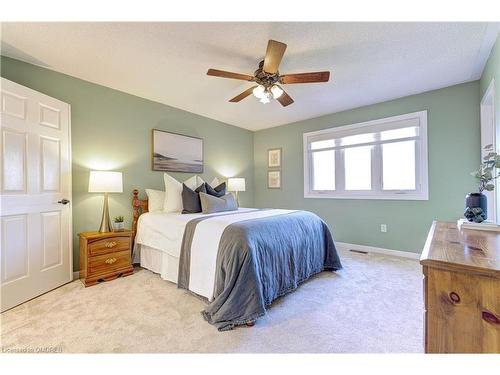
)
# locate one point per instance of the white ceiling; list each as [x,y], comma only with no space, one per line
[167,62]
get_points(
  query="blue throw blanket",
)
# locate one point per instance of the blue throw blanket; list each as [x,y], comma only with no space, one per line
[260,260]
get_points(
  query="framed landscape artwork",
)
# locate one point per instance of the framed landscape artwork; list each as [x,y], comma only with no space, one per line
[176,152]
[274,179]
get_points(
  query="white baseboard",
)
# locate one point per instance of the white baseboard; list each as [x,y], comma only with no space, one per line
[379,250]
[76,275]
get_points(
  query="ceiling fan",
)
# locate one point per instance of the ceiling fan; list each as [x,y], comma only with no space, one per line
[268,77]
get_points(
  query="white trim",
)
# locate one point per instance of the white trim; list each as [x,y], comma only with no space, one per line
[422,193]
[345,246]
[70,194]
[358,125]
[488,136]
[76,275]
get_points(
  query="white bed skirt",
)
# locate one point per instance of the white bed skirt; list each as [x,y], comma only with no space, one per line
[157,261]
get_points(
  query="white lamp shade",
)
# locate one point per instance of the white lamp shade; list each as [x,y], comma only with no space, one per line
[236,184]
[105,182]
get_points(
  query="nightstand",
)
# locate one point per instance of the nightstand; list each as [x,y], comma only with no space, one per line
[105,256]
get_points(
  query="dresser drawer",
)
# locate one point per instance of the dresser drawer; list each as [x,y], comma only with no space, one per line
[109,262]
[458,306]
[109,245]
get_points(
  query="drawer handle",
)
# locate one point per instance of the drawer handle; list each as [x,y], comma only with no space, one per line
[110,260]
[490,317]
[454,297]
[110,244]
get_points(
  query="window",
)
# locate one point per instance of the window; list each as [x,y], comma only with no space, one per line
[380,159]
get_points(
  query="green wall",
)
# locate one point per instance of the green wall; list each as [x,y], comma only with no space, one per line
[112,130]
[453,151]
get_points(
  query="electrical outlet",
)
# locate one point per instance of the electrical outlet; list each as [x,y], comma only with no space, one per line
[383,228]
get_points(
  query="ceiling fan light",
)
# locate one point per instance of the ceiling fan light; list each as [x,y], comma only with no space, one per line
[258,92]
[264,99]
[276,91]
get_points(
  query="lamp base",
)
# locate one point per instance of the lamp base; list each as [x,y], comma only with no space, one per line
[105,221]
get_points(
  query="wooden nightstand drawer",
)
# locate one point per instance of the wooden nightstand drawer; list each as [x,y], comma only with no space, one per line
[109,262]
[108,245]
[105,256]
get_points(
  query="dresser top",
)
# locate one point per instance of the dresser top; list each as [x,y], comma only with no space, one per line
[470,250]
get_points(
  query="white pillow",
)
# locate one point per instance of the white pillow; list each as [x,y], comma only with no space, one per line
[173,190]
[156,200]
[199,181]
[215,182]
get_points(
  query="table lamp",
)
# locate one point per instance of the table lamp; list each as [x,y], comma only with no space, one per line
[236,184]
[105,182]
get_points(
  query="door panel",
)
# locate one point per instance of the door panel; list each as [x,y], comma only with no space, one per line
[14,161]
[13,105]
[36,252]
[51,239]
[15,257]
[50,155]
[50,117]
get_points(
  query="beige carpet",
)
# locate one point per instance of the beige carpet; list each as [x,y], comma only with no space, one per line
[373,305]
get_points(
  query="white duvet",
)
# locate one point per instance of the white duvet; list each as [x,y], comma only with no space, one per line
[164,231]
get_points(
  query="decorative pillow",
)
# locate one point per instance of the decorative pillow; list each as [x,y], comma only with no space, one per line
[211,204]
[199,181]
[156,200]
[218,191]
[191,199]
[215,182]
[173,190]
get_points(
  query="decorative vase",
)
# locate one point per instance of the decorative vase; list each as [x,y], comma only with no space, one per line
[119,227]
[473,200]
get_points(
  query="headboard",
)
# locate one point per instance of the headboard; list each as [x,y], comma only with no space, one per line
[140,206]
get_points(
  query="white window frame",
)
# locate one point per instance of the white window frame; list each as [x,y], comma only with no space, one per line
[421,168]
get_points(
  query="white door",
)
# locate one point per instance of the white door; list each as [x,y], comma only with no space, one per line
[35,182]
[488,137]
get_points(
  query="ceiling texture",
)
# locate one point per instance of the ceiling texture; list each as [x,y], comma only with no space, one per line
[167,62]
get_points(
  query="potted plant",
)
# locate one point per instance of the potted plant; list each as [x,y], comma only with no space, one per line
[476,203]
[118,223]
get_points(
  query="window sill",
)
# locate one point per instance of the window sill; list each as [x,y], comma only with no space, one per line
[401,197]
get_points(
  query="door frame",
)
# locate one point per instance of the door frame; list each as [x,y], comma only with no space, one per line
[488,125]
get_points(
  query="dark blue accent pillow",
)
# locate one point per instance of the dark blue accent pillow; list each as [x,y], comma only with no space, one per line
[191,199]
[218,191]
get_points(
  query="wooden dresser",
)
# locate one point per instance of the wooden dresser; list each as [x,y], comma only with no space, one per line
[461,290]
[105,256]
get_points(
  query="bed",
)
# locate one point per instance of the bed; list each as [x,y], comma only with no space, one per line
[239,262]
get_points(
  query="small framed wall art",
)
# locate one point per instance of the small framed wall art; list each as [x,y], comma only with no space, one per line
[274,179]
[274,158]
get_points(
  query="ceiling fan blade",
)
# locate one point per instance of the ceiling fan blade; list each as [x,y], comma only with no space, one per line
[305,77]
[274,54]
[224,74]
[285,99]
[243,95]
